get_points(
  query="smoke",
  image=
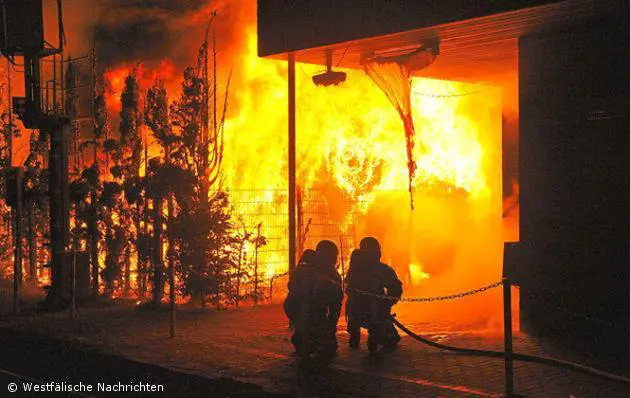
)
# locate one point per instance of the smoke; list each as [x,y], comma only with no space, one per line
[152,31]
[128,31]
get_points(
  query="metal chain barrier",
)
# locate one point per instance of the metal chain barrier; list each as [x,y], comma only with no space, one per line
[451,296]
[508,356]
[425,299]
[410,299]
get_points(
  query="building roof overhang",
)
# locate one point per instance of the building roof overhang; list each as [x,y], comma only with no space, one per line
[470,49]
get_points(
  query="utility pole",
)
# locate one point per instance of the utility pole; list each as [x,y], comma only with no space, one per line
[291,161]
[59,211]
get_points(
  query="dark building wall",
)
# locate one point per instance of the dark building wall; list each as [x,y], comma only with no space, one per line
[575,177]
[288,25]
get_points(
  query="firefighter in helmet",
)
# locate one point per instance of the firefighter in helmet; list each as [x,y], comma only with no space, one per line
[313,303]
[369,275]
[357,306]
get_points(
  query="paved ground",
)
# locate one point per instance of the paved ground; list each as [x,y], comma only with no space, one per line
[251,345]
[29,359]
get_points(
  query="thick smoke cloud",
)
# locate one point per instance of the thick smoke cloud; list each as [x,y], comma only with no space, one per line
[129,31]
[150,32]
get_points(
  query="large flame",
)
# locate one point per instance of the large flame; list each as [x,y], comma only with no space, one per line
[351,143]
[352,165]
[350,139]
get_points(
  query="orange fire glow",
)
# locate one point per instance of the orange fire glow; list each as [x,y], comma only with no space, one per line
[351,152]
[351,143]
[115,79]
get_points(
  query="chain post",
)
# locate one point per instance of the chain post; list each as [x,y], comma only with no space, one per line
[508,338]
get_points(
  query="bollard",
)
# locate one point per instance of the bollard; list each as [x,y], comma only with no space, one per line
[507,335]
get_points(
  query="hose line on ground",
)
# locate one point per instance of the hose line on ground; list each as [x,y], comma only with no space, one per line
[516,356]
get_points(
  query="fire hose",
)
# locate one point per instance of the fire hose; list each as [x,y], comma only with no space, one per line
[516,356]
[489,353]
[486,353]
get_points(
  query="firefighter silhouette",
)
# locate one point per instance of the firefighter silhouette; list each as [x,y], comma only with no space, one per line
[368,274]
[313,304]
[357,309]
[300,283]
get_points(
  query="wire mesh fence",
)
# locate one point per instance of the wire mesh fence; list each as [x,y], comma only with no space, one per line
[267,210]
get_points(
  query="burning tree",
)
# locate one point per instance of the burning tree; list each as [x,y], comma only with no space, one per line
[35,188]
[91,215]
[199,232]
[111,199]
[162,181]
[131,147]
[203,235]
[115,214]
[122,199]
[258,241]
[247,270]
[177,204]
[8,132]
[202,229]
[94,213]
